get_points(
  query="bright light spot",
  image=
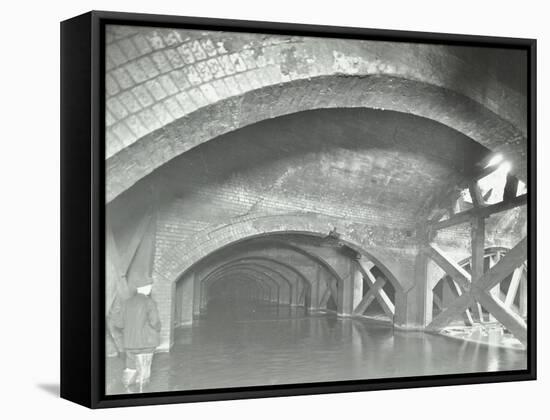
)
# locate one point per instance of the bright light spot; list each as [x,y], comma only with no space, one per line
[505,167]
[495,160]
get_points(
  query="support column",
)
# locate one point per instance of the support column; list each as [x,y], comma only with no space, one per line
[400,317]
[357,284]
[294,291]
[495,291]
[422,291]
[350,289]
[196,295]
[478,257]
[523,296]
[315,289]
[186,298]
[164,295]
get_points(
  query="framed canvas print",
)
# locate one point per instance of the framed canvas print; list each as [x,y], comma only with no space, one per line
[255,209]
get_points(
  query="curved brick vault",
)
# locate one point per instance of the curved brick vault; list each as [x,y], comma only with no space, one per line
[258,266]
[372,242]
[171,90]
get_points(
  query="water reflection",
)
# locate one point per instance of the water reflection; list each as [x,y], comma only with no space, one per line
[249,344]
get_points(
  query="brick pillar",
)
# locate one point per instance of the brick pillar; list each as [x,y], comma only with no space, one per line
[315,296]
[196,296]
[294,291]
[163,294]
[357,279]
[350,289]
[186,294]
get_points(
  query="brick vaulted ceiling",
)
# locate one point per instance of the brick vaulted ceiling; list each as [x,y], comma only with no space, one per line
[364,166]
[169,91]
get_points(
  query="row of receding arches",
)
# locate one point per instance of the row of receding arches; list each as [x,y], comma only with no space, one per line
[296,277]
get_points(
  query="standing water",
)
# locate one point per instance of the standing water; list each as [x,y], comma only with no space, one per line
[240,343]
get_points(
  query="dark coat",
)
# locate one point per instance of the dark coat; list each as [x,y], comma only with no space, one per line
[140,323]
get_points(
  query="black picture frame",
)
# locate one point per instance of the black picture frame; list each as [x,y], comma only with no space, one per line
[83,209]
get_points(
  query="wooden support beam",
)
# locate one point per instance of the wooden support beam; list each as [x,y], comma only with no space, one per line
[523,297]
[485,211]
[369,297]
[513,322]
[482,173]
[455,290]
[495,291]
[457,273]
[382,297]
[475,193]
[507,264]
[478,257]
[495,275]
[453,311]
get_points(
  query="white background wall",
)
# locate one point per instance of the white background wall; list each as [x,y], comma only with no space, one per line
[29,177]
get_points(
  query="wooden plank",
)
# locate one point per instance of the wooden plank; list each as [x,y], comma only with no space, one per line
[514,286]
[523,297]
[509,262]
[486,211]
[477,262]
[382,297]
[453,311]
[457,273]
[496,274]
[455,290]
[513,322]
[369,297]
[475,193]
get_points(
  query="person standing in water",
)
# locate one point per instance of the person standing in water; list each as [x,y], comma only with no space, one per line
[140,324]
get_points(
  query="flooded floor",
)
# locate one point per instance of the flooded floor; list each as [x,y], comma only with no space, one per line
[247,344]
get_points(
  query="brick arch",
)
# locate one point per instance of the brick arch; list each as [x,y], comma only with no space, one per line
[274,275]
[383,92]
[170,90]
[272,264]
[265,283]
[315,258]
[256,261]
[269,263]
[184,256]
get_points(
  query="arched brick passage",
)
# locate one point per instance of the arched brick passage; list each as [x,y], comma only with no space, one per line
[285,272]
[366,242]
[393,255]
[273,279]
[271,240]
[260,261]
[270,289]
[169,91]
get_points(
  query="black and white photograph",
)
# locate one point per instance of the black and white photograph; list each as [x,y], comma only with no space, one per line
[284,209]
[279,210]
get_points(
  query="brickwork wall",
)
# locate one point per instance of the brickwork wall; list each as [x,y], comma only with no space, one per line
[170,90]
